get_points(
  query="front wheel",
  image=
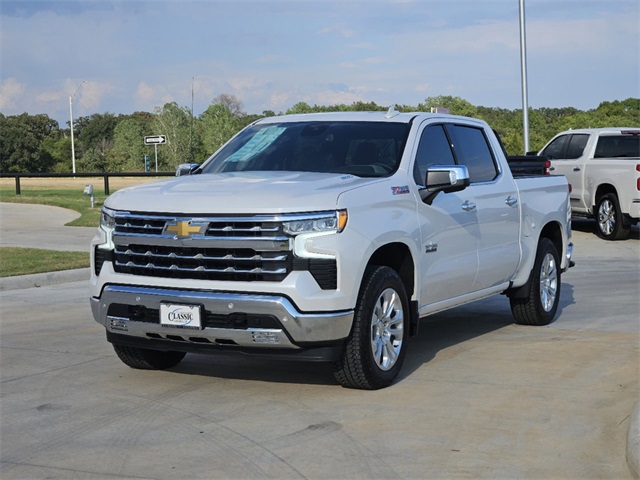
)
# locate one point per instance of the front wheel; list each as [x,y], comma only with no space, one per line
[609,221]
[540,305]
[144,359]
[375,349]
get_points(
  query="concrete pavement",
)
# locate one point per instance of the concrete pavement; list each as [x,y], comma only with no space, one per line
[42,226]
[549,399]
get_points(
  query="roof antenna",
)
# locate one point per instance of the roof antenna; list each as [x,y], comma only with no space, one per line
[392,112]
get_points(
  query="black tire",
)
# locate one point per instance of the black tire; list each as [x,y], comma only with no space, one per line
[143,359]
[374,352]
[541,304]
[610,223]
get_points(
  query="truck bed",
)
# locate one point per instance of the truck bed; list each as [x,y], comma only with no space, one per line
[524,165]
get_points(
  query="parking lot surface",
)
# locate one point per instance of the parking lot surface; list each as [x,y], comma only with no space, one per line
[479,397]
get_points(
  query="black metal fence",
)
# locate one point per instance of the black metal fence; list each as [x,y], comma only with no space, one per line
[106,176]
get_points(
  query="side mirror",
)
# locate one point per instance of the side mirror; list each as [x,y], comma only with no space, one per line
[186,169]
[444,178]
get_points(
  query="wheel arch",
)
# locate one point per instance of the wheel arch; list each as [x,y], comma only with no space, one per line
[398,256]
[553,232]
[602,189]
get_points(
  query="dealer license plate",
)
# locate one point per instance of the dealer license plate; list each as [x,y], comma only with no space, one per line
[181,316]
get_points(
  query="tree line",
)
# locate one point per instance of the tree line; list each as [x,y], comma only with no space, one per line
[105,142]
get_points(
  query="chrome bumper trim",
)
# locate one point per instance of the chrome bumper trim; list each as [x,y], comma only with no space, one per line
[297,327]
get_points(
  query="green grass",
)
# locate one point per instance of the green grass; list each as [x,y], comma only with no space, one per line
[65,198]
[24,261]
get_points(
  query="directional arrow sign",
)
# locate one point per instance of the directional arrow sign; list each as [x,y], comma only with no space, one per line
[155,140]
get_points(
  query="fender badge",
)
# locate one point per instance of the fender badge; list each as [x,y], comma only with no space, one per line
[400,190]
[431,247]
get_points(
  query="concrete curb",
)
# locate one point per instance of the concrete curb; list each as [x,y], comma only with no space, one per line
[633,442]
[44,279]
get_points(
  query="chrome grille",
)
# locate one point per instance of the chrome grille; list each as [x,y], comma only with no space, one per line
[252,227]
[228,248]
[140,225]
[248,229]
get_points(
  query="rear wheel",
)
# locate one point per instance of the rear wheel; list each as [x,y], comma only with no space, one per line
[144,359]
[375,350]
[609,221]
[540,305]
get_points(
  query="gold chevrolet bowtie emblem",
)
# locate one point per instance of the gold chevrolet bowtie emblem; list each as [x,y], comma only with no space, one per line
[183,229]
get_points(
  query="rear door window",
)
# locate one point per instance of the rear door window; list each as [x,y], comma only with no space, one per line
[576,145]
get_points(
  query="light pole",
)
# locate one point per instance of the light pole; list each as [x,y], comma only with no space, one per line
[523,65]
[73,150]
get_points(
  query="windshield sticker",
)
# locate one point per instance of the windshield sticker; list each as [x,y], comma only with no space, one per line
[258,143]
[400,190]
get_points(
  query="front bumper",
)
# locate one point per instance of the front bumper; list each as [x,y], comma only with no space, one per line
[128,310]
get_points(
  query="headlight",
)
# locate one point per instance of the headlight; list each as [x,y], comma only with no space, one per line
[107,219]
[323,222]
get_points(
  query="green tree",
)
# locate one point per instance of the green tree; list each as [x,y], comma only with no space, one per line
[300,107]
[174,122]
[366,107]
[59,147]
[94,130]
[618,113]
[217,125]
[22,146]
[456,105]
[92,161]
[128,147]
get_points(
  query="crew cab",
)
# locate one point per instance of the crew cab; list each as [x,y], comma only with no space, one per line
[603,168]
[326,237]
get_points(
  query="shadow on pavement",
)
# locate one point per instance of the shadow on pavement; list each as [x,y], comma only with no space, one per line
[436,333]
[588,225]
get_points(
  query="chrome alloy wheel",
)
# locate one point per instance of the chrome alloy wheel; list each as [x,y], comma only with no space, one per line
[387,324]
[607,217]
[548,282]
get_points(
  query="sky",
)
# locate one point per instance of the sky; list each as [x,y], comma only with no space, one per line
[271,54]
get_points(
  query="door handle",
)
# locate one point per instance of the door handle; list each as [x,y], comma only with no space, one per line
[468,206]
[511,201]
[551,169]
[576,169]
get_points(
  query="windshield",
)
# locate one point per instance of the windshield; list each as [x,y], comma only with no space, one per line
[367,149]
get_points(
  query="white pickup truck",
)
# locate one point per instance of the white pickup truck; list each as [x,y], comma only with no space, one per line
[325,237]
[603,168]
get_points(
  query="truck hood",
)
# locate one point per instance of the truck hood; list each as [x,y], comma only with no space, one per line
[234,193]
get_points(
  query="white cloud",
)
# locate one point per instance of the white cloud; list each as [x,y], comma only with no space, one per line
[148,97]
[140,55]
[92,94]
[11,93]
[340,29]
[603,34]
